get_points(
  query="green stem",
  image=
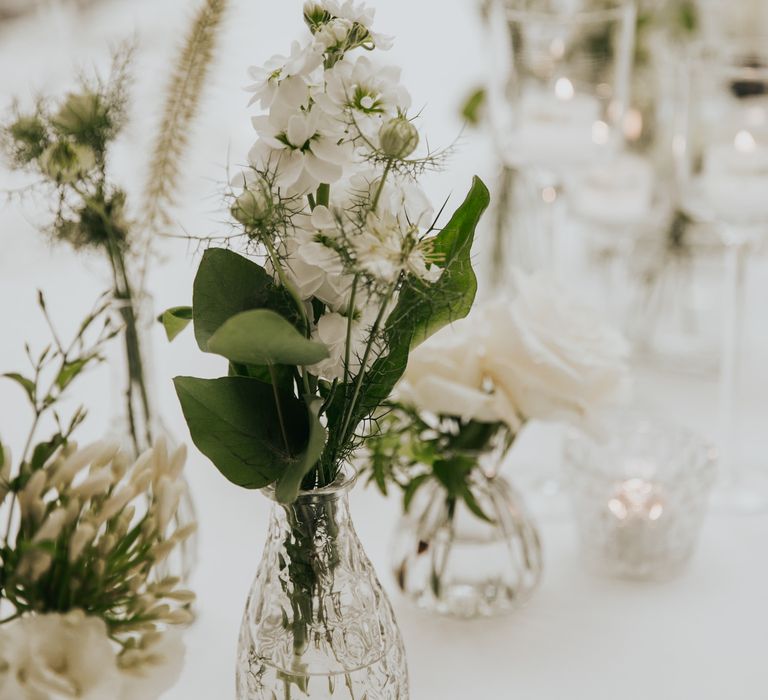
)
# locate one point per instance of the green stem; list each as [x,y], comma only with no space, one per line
[350,320]
[380,188]
[280,417]
[346,425]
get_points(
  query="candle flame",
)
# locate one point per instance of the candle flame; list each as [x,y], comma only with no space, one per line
[564,89]
[744,142]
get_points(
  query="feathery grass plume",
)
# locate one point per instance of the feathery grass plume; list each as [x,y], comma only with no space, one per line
[182,101]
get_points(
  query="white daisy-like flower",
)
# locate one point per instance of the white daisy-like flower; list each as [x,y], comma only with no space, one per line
[369,93]
[301,63]
[358,13]
[385,249]
[304,151]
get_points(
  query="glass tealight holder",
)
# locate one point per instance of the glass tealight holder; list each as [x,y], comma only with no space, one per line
[639,492]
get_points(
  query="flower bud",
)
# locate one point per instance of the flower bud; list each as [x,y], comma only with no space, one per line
[66,163]
[398,138]
[253,207]
[29,138]
[315,15]
[80,114]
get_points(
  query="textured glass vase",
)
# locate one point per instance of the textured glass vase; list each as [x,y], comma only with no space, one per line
[448,560]
[317,623]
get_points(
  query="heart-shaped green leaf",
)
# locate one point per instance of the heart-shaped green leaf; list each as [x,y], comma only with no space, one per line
[262,337]
[234,422]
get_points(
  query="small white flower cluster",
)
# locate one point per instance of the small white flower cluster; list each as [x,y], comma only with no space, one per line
[51,656]
[328,190]
[91,534]
[539,356]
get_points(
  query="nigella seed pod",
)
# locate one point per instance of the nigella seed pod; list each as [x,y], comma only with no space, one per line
[398,138]
[253,207]
[81,115]
[66,163]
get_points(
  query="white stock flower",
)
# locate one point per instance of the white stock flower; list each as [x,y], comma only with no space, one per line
[302,150]
[370,92]
[316,270]
[553,357]
[268,79]
[351,13]
[331,330]
[52,656]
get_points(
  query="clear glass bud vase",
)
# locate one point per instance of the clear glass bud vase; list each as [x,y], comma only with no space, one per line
[450,561]
[317,623]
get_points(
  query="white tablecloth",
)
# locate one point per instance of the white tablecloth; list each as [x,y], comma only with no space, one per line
[701,636]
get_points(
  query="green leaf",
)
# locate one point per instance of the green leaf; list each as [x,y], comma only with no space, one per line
[175,320]
[289,483]
[235,423]
[429,307]
[413,486]
[262,337]
[473,106]
[227,284]
[279,375]
[69,371]
[27,384]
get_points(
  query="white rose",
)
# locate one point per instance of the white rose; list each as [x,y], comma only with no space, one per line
[539,355]
[46,657]
[551,356]
[56,656]
[445,376]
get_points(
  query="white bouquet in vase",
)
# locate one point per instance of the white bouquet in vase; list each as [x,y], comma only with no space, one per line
[346,268]
[466,394]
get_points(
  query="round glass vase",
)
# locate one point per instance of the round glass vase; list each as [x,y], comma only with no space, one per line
[448,560]
[317,623]
[135,422]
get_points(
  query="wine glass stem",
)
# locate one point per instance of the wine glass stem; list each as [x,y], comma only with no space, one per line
[732,351]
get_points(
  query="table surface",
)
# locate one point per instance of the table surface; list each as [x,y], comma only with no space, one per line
[700,636]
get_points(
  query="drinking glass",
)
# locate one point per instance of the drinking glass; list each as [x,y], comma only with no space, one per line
[721,156]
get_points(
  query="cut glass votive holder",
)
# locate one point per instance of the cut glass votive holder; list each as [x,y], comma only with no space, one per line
[639,492]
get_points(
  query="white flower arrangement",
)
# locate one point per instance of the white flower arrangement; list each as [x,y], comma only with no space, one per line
[82,571]
[470,388]
[351,269]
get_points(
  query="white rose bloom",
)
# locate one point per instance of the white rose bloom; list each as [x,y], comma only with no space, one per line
[537,356]
[551,356]
[445,376]
[372,93]
[302,62]
[47,657]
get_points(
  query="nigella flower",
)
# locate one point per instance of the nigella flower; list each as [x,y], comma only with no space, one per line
[305,150]
[384,249]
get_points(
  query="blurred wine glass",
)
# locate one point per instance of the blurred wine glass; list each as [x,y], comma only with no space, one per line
[721,156]
[557,92]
